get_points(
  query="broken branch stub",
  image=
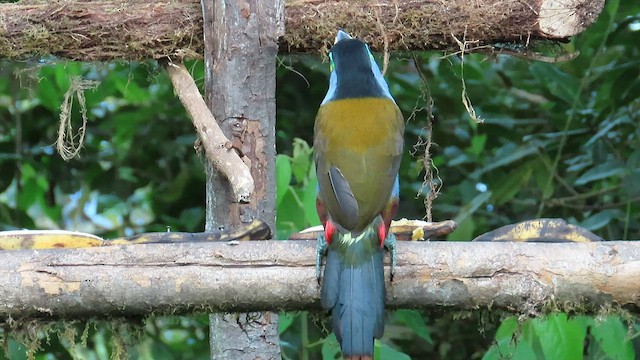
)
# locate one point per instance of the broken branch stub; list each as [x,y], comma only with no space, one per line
[222,157]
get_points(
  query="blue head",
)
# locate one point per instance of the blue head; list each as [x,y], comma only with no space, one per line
[354,71]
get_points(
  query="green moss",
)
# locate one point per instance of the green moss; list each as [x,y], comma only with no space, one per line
[33,334]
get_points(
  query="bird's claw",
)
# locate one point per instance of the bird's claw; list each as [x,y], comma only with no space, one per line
[390,246]
[321,251]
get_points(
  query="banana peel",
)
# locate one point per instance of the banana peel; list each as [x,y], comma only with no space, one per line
[537,230]
[540,230]
[54,239]
[47,239]
[403,230]
[256,230]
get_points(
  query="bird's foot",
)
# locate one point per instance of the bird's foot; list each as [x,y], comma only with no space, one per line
[390,246]
[321,251]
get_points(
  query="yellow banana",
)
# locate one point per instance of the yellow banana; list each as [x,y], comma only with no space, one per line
[52,239]
[47,239]
[540,230]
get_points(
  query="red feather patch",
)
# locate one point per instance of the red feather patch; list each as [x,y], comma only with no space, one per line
[382,233]
[329,230]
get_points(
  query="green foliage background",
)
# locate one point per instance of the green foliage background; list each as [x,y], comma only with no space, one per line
[558,140]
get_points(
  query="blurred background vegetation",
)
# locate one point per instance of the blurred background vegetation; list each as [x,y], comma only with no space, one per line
[558,140]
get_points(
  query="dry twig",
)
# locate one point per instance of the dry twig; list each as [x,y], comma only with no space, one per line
[222,157]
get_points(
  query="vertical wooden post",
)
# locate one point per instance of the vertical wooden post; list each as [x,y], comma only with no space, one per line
[241,45]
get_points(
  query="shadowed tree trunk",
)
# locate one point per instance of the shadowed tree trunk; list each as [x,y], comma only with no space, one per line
[240,61]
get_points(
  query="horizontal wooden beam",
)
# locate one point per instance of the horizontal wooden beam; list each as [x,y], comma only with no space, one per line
[149,29]
[274,275]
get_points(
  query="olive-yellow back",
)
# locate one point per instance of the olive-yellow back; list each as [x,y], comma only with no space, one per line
[362,137]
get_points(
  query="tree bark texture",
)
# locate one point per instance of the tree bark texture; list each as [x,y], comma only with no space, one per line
[525,278]
[149,29]
[241,48]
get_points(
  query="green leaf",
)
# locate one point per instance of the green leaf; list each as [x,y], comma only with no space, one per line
[285,320]
[507,155]
[49,95]
[579,162]
[33,187]
[558,82]
[468,209]
[16,351]
[283,176]
[626,88]
[630,183]
[131,91]
[455,156]
[559,337]
[509,348]
[330,348]
[301,159]
[542,174]
[291,216]
[613,337]
[174,337]
[507,187]
[477,144]
[507,328]
[464,231]
[601,219]
[309,195]
[63,74]
[384,352]
[599,172]
[141,215]
[415,321]
[127,173]
[606,126]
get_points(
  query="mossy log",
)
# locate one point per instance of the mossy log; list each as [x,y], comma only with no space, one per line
[526,278]
[149,29]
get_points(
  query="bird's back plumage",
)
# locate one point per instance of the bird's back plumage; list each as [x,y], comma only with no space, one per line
[363,139]
[358,144]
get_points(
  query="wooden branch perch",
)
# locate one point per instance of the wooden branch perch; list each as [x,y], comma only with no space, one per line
[276,275]
[221,156]
[142,29]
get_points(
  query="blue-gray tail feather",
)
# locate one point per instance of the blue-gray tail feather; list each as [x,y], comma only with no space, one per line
[355,293]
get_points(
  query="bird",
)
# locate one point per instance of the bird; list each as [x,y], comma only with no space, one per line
[358,144]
